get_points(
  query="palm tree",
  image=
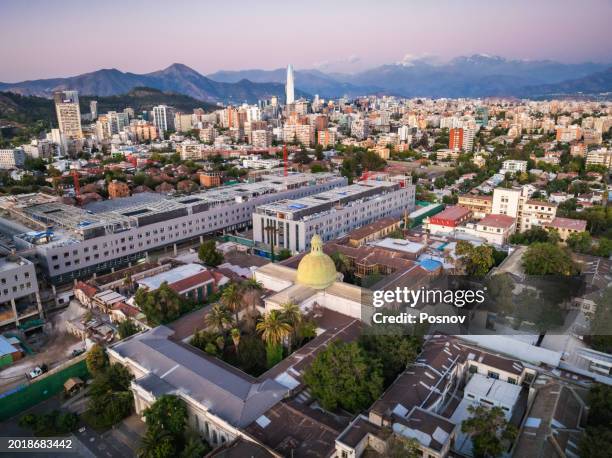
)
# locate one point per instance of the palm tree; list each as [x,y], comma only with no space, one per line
[292,315]
[251,283]
[232,299]
[151,441]
[218,318]
[273,328]
[235,334]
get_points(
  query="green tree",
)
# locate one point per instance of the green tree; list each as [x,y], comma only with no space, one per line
[273,330]
[157,444]
[476,261]
[162,305]
[283,254]
[403,447]
[395,352]
[489,430]
[235,335]
[292,315]
[110,398]
[127,328]
[344,376]
[547,259]
[167,413]
[580,242]
[499,288]
[597,442]
[209,254]
[231,298]
[96,360]
[218,318]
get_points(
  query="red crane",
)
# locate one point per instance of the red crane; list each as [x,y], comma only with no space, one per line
[285,157]
[77,187]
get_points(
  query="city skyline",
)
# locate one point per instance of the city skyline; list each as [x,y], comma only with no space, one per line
[396,33]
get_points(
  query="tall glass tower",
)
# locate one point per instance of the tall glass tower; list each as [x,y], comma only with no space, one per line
[289,90]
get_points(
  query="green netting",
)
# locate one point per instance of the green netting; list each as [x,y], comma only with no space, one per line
[40,390]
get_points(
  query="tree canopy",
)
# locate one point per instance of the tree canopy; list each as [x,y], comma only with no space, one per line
[344,376]
[489,430]
[543,258]
[209,254]
[162,305]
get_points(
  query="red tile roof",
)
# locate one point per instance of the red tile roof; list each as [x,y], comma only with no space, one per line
[453,213]
[503,221]
[127,310]
[88,290]
[190,282]
[568,223]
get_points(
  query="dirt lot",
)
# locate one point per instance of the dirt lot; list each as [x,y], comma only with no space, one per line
[51,346]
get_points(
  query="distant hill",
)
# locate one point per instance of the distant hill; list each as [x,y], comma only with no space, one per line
[310,81]
[597,83]
[467,76]
[177,78]
[19,111]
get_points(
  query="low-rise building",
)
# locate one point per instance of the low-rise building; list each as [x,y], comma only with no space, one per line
[566,226]
[448,220]
[479,205]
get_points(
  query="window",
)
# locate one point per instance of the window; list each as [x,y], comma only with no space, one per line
[492,374]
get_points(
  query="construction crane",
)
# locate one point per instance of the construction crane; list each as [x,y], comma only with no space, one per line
[77,186]
[285,158]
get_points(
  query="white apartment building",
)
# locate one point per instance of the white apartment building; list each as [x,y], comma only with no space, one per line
[163,118]
[261,138]
[68,114]
[303,134]
[19,296]
[192,151]
[11,158]
[291,223]
[513,166]
[256,162]
[528,212]
[117,232]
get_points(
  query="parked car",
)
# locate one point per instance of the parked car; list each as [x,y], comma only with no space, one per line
[36,372]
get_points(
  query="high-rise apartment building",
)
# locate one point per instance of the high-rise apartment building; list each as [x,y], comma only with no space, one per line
[68,114]
[455,139]
[163,118]
[93,109]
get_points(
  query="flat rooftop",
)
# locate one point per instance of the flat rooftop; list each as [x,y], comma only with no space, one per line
[302,209]
[171,276]
[139,210]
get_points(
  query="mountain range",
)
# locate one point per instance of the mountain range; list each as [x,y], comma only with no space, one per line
[470,76]
[177,78]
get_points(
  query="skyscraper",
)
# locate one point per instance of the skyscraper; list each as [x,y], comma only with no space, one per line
[68,114]
[289,90]
[93,109]
[163,118]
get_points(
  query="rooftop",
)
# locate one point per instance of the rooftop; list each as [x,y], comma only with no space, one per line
[304,208]
[453,213]
[173,367]
[568,223]
[171,276]
[501,221]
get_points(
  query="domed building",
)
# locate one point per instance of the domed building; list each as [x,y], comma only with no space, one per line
[316,270]
[315,283]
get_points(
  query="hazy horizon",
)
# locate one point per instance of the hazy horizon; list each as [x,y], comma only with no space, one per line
[69,37]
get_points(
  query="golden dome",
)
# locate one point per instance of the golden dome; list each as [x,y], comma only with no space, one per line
[316,270]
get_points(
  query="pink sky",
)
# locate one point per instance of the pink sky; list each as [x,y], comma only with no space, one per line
[43,39]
